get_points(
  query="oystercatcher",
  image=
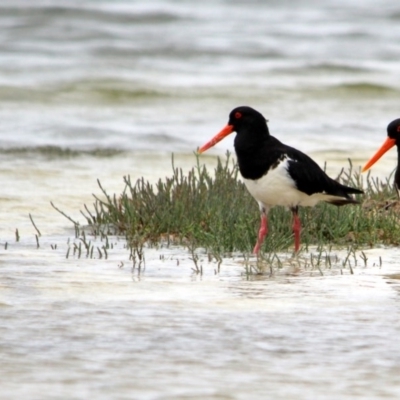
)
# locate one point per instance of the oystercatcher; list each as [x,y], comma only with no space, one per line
[393,132]
[276,174]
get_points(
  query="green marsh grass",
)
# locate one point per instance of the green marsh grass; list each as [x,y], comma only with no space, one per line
[214,211]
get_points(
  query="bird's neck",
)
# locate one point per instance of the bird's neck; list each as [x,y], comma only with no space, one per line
[248,139]
[397,174]
[254,154]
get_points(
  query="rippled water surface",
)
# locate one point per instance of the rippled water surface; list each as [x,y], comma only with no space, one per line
[77,327]
[102,89]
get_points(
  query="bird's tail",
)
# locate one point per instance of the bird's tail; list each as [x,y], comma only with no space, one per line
[343,197]
[342,201]
[350,190]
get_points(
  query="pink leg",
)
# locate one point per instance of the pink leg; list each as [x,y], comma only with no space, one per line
[296,229]
[261,233]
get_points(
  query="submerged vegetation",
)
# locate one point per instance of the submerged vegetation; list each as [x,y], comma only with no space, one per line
[213,210]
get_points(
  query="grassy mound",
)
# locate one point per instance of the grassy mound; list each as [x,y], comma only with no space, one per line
[216,212]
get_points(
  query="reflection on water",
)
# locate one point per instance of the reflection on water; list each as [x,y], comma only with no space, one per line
[78,326]
[83,325]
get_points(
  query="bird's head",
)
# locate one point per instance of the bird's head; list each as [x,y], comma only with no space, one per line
[393,138]
[241,119]
[393,130]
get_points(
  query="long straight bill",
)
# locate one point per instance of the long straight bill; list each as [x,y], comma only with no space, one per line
[217,138]
[389,143]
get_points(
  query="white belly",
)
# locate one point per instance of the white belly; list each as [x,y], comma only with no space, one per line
[278,188]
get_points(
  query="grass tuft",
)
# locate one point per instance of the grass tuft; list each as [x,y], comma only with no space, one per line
[215,211]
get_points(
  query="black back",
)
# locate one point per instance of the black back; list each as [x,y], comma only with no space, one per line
[258,152]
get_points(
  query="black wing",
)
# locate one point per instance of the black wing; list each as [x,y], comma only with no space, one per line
[310,178]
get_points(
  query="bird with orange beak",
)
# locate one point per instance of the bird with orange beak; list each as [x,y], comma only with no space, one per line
[276,174]
[393,138]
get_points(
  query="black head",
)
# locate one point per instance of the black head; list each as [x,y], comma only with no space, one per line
[393,130]
[245,118]
[249,124]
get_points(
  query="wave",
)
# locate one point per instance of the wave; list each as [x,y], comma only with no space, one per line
[365,88]
[61,152]
[87,13]
[324,67]
[107,91]
[118,91]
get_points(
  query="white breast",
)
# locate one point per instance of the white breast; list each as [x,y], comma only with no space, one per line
[278,188]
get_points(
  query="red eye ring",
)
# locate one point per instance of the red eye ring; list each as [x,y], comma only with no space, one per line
[238,115]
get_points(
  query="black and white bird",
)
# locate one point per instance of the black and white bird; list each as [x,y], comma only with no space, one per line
[393,138]
[276,174]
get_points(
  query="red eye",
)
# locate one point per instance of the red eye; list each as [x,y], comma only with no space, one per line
[238,115]
[398,128]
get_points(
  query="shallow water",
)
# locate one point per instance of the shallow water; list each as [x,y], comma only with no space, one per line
[100,90]
[73,327]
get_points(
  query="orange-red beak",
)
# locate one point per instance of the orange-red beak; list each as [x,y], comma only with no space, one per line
[217,138]
[389,143]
